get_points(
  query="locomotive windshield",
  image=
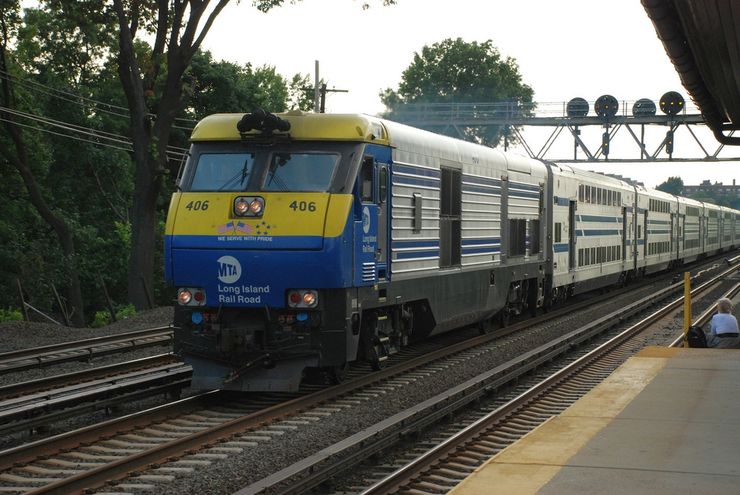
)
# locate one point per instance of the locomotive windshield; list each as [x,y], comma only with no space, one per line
[294,167]
[300,172]
[222,171]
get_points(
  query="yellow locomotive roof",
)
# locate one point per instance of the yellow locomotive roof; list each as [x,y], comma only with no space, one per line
[303,126]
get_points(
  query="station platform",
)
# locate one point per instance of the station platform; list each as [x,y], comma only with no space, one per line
[666,422]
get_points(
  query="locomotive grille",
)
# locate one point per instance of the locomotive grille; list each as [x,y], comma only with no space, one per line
[368,272]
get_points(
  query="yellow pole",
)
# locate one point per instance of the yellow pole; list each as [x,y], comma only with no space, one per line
[686,307]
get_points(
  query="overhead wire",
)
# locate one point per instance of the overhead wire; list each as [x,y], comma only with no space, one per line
[74,98]
[77,128]
[112,141]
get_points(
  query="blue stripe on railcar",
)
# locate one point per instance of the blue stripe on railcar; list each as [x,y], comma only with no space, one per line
[522,185]
[516,194]
[484,181]
[597,232]
[598,218]
[401,180]
[406,255]
[481,240]
[490,245]
[481,250]
[413,170]
[481,189]
[560,248]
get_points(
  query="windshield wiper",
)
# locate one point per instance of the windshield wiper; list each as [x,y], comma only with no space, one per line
[239,178]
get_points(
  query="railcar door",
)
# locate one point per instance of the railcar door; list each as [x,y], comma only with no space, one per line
[572,236]
[624,238]
[645,234]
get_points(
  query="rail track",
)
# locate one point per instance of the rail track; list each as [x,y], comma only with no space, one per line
[450,460]
[36,404]
[82,460]
[82,350]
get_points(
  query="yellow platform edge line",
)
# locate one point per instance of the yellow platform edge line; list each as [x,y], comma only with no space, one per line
[530,463]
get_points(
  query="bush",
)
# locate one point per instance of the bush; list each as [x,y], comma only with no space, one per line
[102,318]
[10,314]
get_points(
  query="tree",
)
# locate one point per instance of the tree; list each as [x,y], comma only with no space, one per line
[213,87]
[17,151]
[179,28]
[455,71]
[60,68]
[672,185]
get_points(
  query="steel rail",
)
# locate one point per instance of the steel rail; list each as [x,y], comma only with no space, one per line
[83,349]
[403,476]
[705,316]
[118,469]
[40,409]
[49,382]
[310,472]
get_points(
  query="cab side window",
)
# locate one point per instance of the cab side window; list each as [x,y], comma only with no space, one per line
[366,180]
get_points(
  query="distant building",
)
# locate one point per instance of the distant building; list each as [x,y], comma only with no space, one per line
[716,189]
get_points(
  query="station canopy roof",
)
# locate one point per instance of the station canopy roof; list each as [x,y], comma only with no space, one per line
[701,39]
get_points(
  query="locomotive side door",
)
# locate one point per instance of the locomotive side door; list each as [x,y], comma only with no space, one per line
[371,231]
[381,254]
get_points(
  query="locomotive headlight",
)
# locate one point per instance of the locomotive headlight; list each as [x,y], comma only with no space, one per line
[249,206]
[256,206]
[309,299]
[241,205]
[303,298]
[191,296]
[184,296]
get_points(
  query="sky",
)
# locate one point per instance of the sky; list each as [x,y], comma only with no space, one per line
[564,49]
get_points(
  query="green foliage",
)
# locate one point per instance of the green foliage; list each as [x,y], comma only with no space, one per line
[102,318]
[213,87]
[455,71]
[10,314]
[62,57]
[267,5]
[672,185]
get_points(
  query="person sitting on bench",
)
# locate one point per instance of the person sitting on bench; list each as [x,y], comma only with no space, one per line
[724,330]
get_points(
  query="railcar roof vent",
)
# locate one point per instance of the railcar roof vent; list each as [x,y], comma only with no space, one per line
[264,122]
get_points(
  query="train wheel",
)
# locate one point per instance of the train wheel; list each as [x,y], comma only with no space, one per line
[504,318]
[379,355]
[337,374]
[485,326]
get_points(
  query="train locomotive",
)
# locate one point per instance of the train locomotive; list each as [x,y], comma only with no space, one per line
[302,242]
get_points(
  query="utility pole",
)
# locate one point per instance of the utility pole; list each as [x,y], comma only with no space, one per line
[316,87]
[320,90]
[323,92]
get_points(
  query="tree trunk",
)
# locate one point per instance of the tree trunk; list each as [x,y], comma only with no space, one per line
[143,236]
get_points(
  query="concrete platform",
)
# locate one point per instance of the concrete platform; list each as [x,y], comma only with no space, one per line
[666,422]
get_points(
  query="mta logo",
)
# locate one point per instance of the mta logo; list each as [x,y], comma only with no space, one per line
[229,269]
[366,220]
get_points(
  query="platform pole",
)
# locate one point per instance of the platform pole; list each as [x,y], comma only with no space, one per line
[686,307]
